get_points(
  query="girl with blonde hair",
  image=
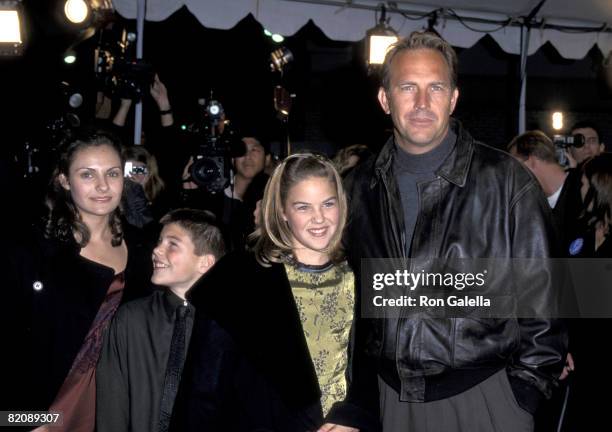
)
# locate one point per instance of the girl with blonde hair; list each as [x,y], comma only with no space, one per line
[285,309]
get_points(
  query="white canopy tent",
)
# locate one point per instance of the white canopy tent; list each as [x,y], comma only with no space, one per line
[348,20]
[520,27]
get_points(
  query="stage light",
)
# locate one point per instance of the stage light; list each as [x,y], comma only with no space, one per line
[267,32]
[277,38]
[11,37]
[280,58]
[378,46]
[378,40]
[557,120]
[70,57]
[9,26]
[76,11]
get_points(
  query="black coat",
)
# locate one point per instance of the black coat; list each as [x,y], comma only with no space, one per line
[50,300]
[567,211]
[248,366]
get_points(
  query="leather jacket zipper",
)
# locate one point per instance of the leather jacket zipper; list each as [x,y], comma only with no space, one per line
[402,235]
[401,319]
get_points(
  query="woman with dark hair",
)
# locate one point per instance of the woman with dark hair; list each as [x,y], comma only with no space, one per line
[596,219]
[589,335]
[269,348]
[67,281]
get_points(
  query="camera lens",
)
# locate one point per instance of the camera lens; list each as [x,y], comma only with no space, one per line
[139,170]
[214,109]
[206,172]
[578,140]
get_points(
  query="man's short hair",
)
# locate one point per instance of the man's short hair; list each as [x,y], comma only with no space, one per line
[202,228]
[534,143]
[584,124]
[252,128]
[260,140]
[421,40]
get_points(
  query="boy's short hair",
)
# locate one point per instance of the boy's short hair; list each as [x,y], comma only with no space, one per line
[201,226]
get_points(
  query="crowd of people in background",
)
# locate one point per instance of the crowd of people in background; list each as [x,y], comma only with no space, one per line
[146,302]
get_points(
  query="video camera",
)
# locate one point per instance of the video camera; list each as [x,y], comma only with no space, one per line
[43,142]
[118,72]
[215,145]
[563,142]
[133,79]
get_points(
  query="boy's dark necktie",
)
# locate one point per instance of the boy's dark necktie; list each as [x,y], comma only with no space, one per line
[173,368]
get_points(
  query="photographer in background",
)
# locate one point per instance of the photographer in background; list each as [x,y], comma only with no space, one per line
[144,199]
[159,93]
[164,156]
[592,145]
[234,205]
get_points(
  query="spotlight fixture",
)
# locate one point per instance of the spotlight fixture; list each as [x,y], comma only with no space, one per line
[76,11]
[11,27]
[280,58]
[70,57]
[277,38]
[83,17]
[378,39]
[214,109]
[557,120]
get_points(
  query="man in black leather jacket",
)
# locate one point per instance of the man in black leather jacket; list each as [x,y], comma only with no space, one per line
[434,192]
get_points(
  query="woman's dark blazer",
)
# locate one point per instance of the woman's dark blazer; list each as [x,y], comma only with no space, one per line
[248,367]
[49,303]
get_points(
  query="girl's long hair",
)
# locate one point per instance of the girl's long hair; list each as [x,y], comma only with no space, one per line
[598,200]
[273,237]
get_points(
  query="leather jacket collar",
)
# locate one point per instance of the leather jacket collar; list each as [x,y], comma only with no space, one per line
[454,169]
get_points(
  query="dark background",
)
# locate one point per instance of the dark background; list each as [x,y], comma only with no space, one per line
[335,103]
